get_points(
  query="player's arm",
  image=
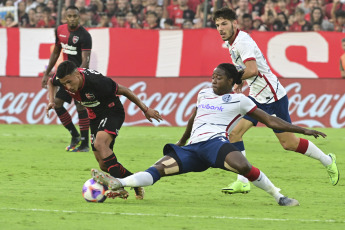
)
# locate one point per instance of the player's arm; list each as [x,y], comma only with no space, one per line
[85,59]
[51,96]
[279,124]
[188,131]
[251,70]
[52,61]
[149,113]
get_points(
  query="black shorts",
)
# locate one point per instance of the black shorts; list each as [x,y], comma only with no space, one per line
[63,95]
[109,123]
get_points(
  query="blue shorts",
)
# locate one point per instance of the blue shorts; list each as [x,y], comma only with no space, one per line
[200,156]
[279,108]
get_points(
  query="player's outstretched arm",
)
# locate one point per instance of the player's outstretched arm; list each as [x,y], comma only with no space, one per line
[188,130]
[51,96]
[149,113]
[279,124]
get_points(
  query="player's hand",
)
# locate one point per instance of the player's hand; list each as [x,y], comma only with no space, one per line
[314,133]
[51,105]
[238,88]
[151,113]
[45,81]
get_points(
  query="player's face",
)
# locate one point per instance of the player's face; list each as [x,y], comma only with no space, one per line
[72,82]
[72,18]
[221,84]
[226,28]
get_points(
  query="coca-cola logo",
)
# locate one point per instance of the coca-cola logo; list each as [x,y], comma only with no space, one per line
[175,104]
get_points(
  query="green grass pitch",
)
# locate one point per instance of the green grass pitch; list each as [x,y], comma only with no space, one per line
[41,185]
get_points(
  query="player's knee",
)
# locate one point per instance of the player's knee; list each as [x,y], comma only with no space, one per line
[235,136]
[99,146]
[166,169]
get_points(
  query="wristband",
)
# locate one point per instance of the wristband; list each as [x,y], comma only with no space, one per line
[147,109]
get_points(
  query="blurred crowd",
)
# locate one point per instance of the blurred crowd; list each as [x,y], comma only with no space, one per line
[262,15]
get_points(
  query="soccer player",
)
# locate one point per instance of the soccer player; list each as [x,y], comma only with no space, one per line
[267,93]
[99,95]
[217,112]
[75,43]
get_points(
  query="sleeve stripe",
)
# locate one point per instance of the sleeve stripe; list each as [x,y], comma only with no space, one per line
[252,110]
[249,59]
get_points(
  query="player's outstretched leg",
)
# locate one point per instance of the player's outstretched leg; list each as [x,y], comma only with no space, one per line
[333,170]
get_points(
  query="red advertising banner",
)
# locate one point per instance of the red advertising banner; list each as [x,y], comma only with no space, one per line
[313,102]
[120,52]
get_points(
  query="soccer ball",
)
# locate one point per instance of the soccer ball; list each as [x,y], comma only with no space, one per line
[94,192]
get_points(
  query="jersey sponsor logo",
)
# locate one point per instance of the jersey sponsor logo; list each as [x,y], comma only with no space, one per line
[67,49]
[90,96]
[226,98]
[90,103]
[211,107]
[75,39]
[61,35]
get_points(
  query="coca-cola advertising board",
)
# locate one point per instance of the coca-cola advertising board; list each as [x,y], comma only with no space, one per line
[313,102]
[121,52]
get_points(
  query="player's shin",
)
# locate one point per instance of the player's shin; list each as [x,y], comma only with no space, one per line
[309,149]
[114,168]
[240,146]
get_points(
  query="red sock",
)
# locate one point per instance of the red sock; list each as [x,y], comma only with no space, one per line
[253,174]
[302,146]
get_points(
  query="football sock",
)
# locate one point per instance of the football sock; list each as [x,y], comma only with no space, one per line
[114,168]
[240,147]
[66,120]
[84,124]
[260,180]
[139,179]
[309,149]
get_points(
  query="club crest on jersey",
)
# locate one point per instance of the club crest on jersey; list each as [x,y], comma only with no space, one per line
[226,98]
[75,39]
[90,96]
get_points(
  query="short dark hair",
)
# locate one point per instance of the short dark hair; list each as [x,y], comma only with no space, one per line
[247,16]
[231,72]
[72,7]
[65,68]
[225,13]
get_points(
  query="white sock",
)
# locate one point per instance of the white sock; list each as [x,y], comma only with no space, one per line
[139,179]
[314,152]
[240,177]
[265,184]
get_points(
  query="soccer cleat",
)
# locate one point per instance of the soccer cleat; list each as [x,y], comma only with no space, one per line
[139,193]
[111,182]
[237,187]
[74,142]
[121,193]
[80,149]
[286,201]
[332,170]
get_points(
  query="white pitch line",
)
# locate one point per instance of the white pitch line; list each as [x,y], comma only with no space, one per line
[172,215]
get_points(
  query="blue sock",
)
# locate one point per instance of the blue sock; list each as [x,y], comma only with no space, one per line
[239,145]
[154,173]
